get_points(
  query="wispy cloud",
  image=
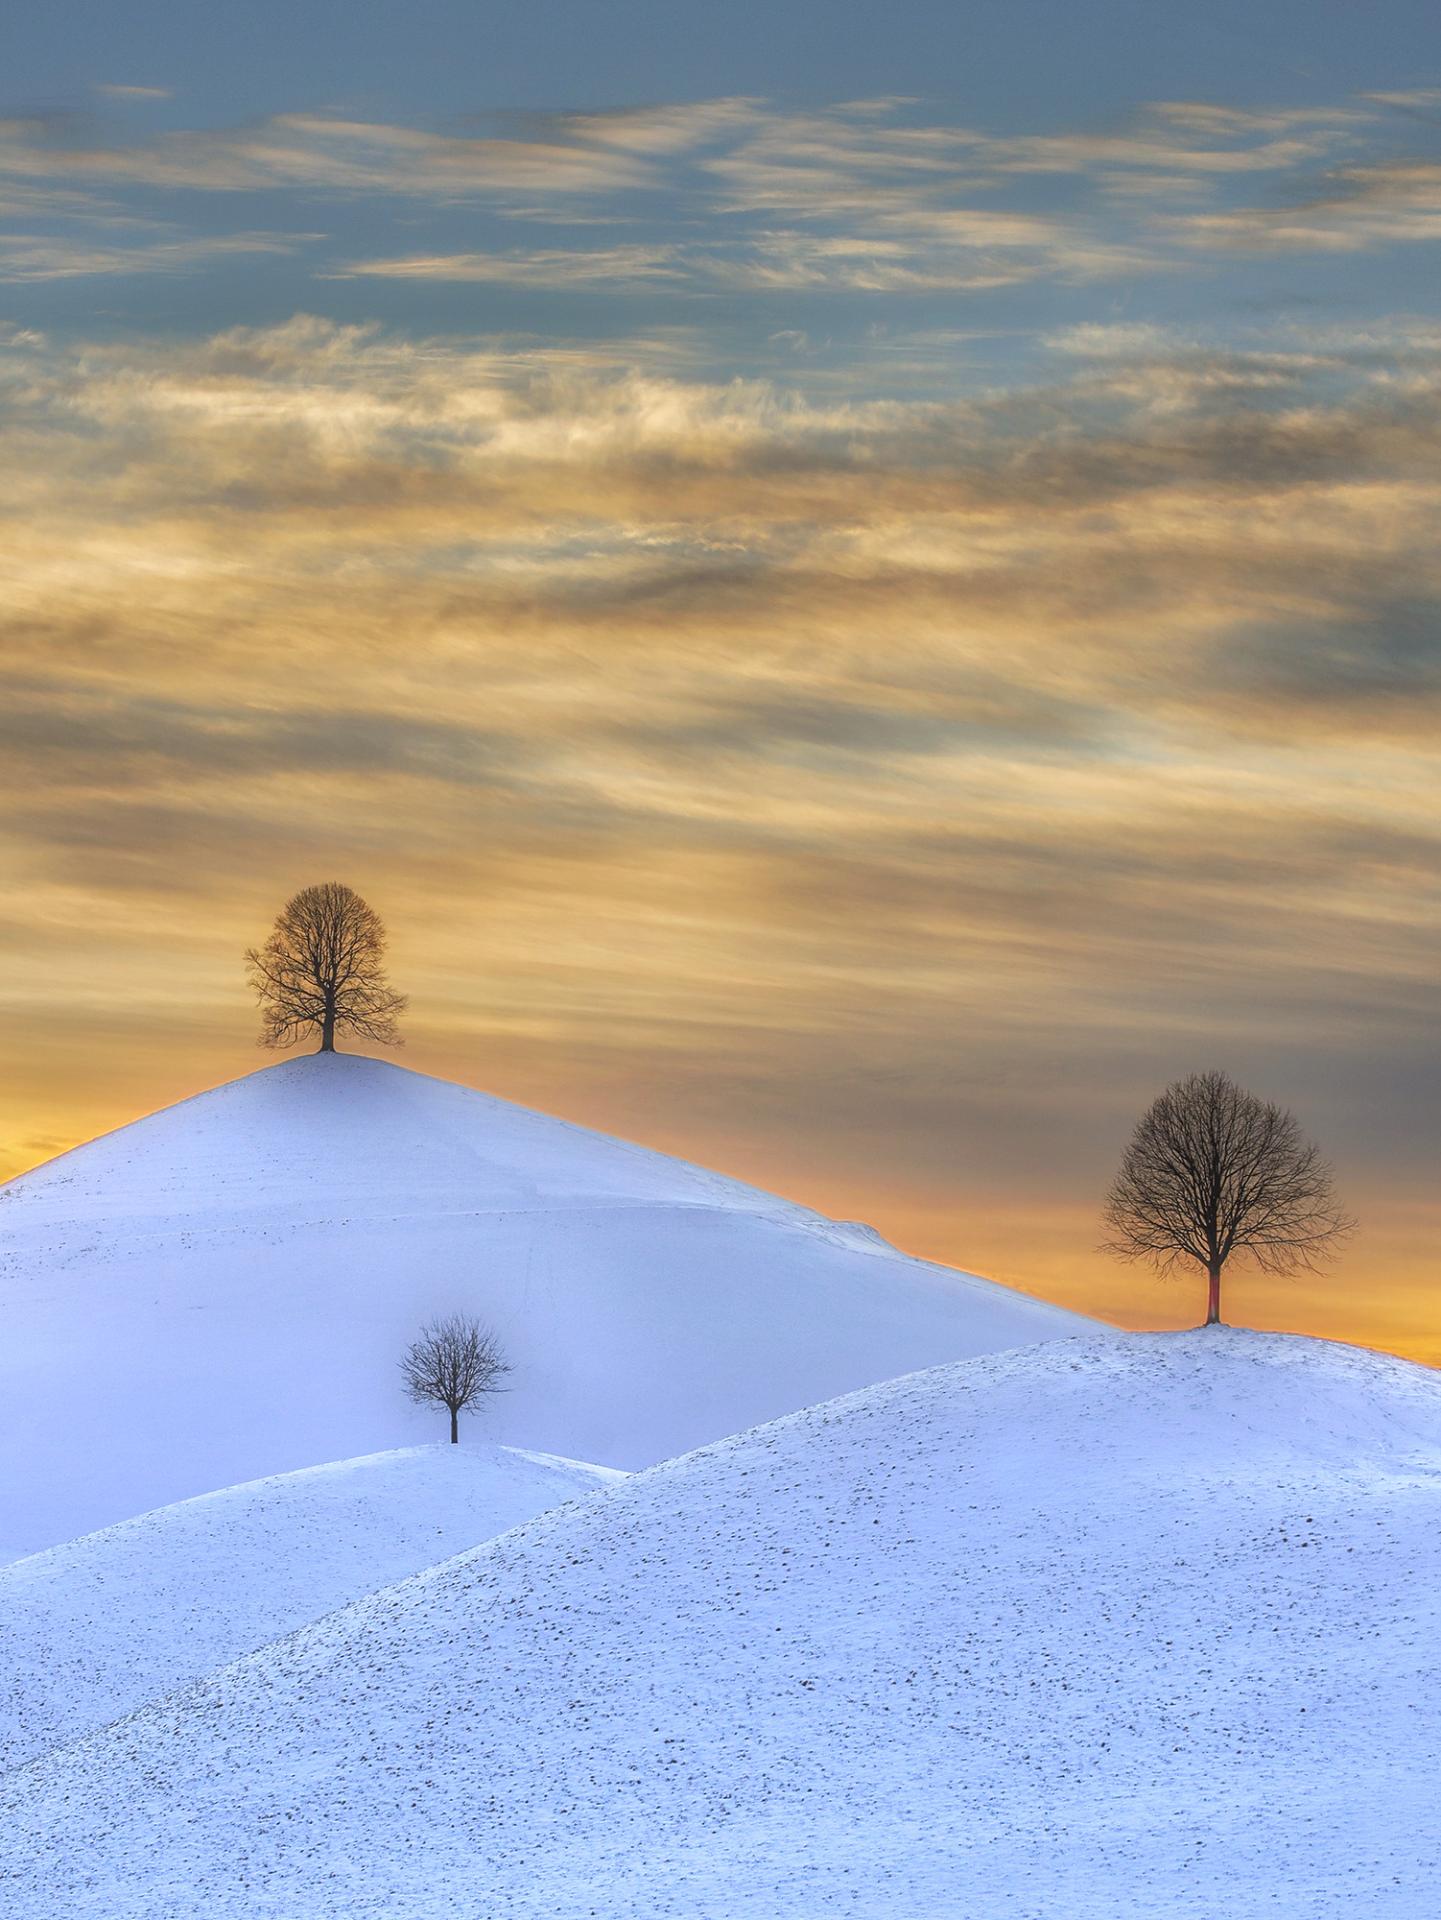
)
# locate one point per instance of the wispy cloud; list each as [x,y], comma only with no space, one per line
[941,250]
[912,203]
[25,257]
[535,267]
[322,153]
[1184,490]
[849,160]
[114,90]
[680,128]
[1363,207]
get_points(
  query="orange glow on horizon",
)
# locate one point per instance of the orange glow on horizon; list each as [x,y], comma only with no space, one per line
[1045,1248]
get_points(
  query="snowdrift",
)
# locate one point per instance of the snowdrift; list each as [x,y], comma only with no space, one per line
[1115,1625]
[94,1628]
[222,1291]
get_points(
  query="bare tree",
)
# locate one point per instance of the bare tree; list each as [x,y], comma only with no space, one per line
[1211,1171]
[453,1364]
[322,970]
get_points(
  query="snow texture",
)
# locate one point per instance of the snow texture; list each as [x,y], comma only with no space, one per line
[1122,1625]
[231,1281]
[95,1628]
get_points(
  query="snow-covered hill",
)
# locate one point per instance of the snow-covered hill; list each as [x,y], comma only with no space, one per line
[222,1291]
[92,1629]
[1120,1625]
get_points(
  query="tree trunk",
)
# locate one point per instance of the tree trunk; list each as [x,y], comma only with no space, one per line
[327,1030]
[1213,1297]
[455,1426]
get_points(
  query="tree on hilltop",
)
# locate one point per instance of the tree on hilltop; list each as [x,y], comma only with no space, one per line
[322,970]
[1211,1171]
[453,1364]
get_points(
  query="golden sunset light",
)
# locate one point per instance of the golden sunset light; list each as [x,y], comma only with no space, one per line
[878,799]
[720,974]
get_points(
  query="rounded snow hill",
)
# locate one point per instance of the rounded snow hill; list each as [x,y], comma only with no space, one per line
[1125,1624]
[223,1290]
[92,1629]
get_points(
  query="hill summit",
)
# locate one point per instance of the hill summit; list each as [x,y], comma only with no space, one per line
[222,1291]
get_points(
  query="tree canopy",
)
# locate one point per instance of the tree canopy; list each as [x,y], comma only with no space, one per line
[1211,1171]
[453,1364]
[322,971]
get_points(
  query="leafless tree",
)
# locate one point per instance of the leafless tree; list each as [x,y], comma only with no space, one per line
[453,1364]
[1211,1171]
[322,970]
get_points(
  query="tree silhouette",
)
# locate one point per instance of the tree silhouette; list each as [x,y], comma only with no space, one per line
[1211,1171]
[453,1364]
[322,970]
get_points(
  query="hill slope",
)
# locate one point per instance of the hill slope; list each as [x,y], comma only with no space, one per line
[222,1291]
[92,1629]
[1118,1625]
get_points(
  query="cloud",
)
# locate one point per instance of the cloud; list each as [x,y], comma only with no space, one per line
[739,197]
[443,589]
[1353,663]
[1365,207]
[973,257]
[843,161]
[1175,142]
[19,201]
[1206,497]
[536,267]
[678,128]
[31,257]
[319,152]
[110,90]
[87,737]
[959,252]
[854,157]
[1409,99]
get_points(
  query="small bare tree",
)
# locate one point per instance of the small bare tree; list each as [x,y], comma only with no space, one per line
[1211,1171]
[322,971]
[453,1364]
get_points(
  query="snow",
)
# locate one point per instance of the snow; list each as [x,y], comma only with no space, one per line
[92,1629]
[1114,1625]
[221,1292]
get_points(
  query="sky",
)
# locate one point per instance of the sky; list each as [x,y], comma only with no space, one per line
[858,586]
